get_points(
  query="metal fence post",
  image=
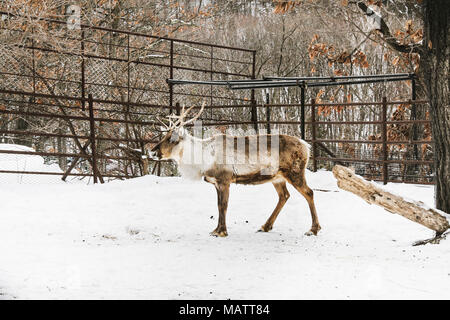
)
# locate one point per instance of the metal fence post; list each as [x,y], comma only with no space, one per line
[254,116]
[268,112]
[414,127]
[384,140]
[158,173]
[253,100]
[211,78]
[171,77]
[313,133]
[34,63]
[83,76]
[92,137]
[302,110]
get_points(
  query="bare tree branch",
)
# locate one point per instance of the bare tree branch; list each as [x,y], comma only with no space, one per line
[386,32]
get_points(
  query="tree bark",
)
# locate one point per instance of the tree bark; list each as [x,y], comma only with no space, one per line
[434,73]
[435,65]
[414,211]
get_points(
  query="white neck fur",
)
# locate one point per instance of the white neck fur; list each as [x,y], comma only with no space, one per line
[194,156]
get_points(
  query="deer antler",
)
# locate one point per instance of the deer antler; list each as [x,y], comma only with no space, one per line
[180,119]
[196,116]
[166,127]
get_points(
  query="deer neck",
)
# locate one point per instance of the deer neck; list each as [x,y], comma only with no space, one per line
[190,157]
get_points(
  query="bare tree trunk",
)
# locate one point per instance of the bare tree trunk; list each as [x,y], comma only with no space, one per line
[435,65]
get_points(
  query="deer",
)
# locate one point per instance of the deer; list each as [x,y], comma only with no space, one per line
[285,164]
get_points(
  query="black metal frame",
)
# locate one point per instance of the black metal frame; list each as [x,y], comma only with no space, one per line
[302,82]
[278,82]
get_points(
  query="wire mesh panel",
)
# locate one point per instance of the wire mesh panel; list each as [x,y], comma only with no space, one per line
[87,101]
[52,78]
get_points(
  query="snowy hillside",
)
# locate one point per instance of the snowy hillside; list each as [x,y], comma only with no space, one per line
[148,238]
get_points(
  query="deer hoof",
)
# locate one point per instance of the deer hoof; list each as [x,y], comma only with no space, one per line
[313,231]
[221,234]
[265,228]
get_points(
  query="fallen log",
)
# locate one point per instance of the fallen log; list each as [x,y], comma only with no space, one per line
[431,218]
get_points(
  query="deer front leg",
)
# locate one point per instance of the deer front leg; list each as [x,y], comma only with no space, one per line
[223,192]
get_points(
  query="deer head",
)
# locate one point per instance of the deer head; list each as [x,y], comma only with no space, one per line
[173,134]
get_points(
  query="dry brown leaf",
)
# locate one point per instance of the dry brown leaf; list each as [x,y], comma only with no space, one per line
[395,61]
[320,94]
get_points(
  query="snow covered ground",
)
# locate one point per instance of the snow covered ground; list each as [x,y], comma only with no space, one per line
[148,238]
[21,162]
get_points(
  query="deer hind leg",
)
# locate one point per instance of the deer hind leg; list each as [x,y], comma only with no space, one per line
[283,196]
[223,192]
[299,183]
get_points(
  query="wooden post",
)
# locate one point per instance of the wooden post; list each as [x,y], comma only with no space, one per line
[92,137]
[313,133]
[384,140]
[177,110]
[268,112]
